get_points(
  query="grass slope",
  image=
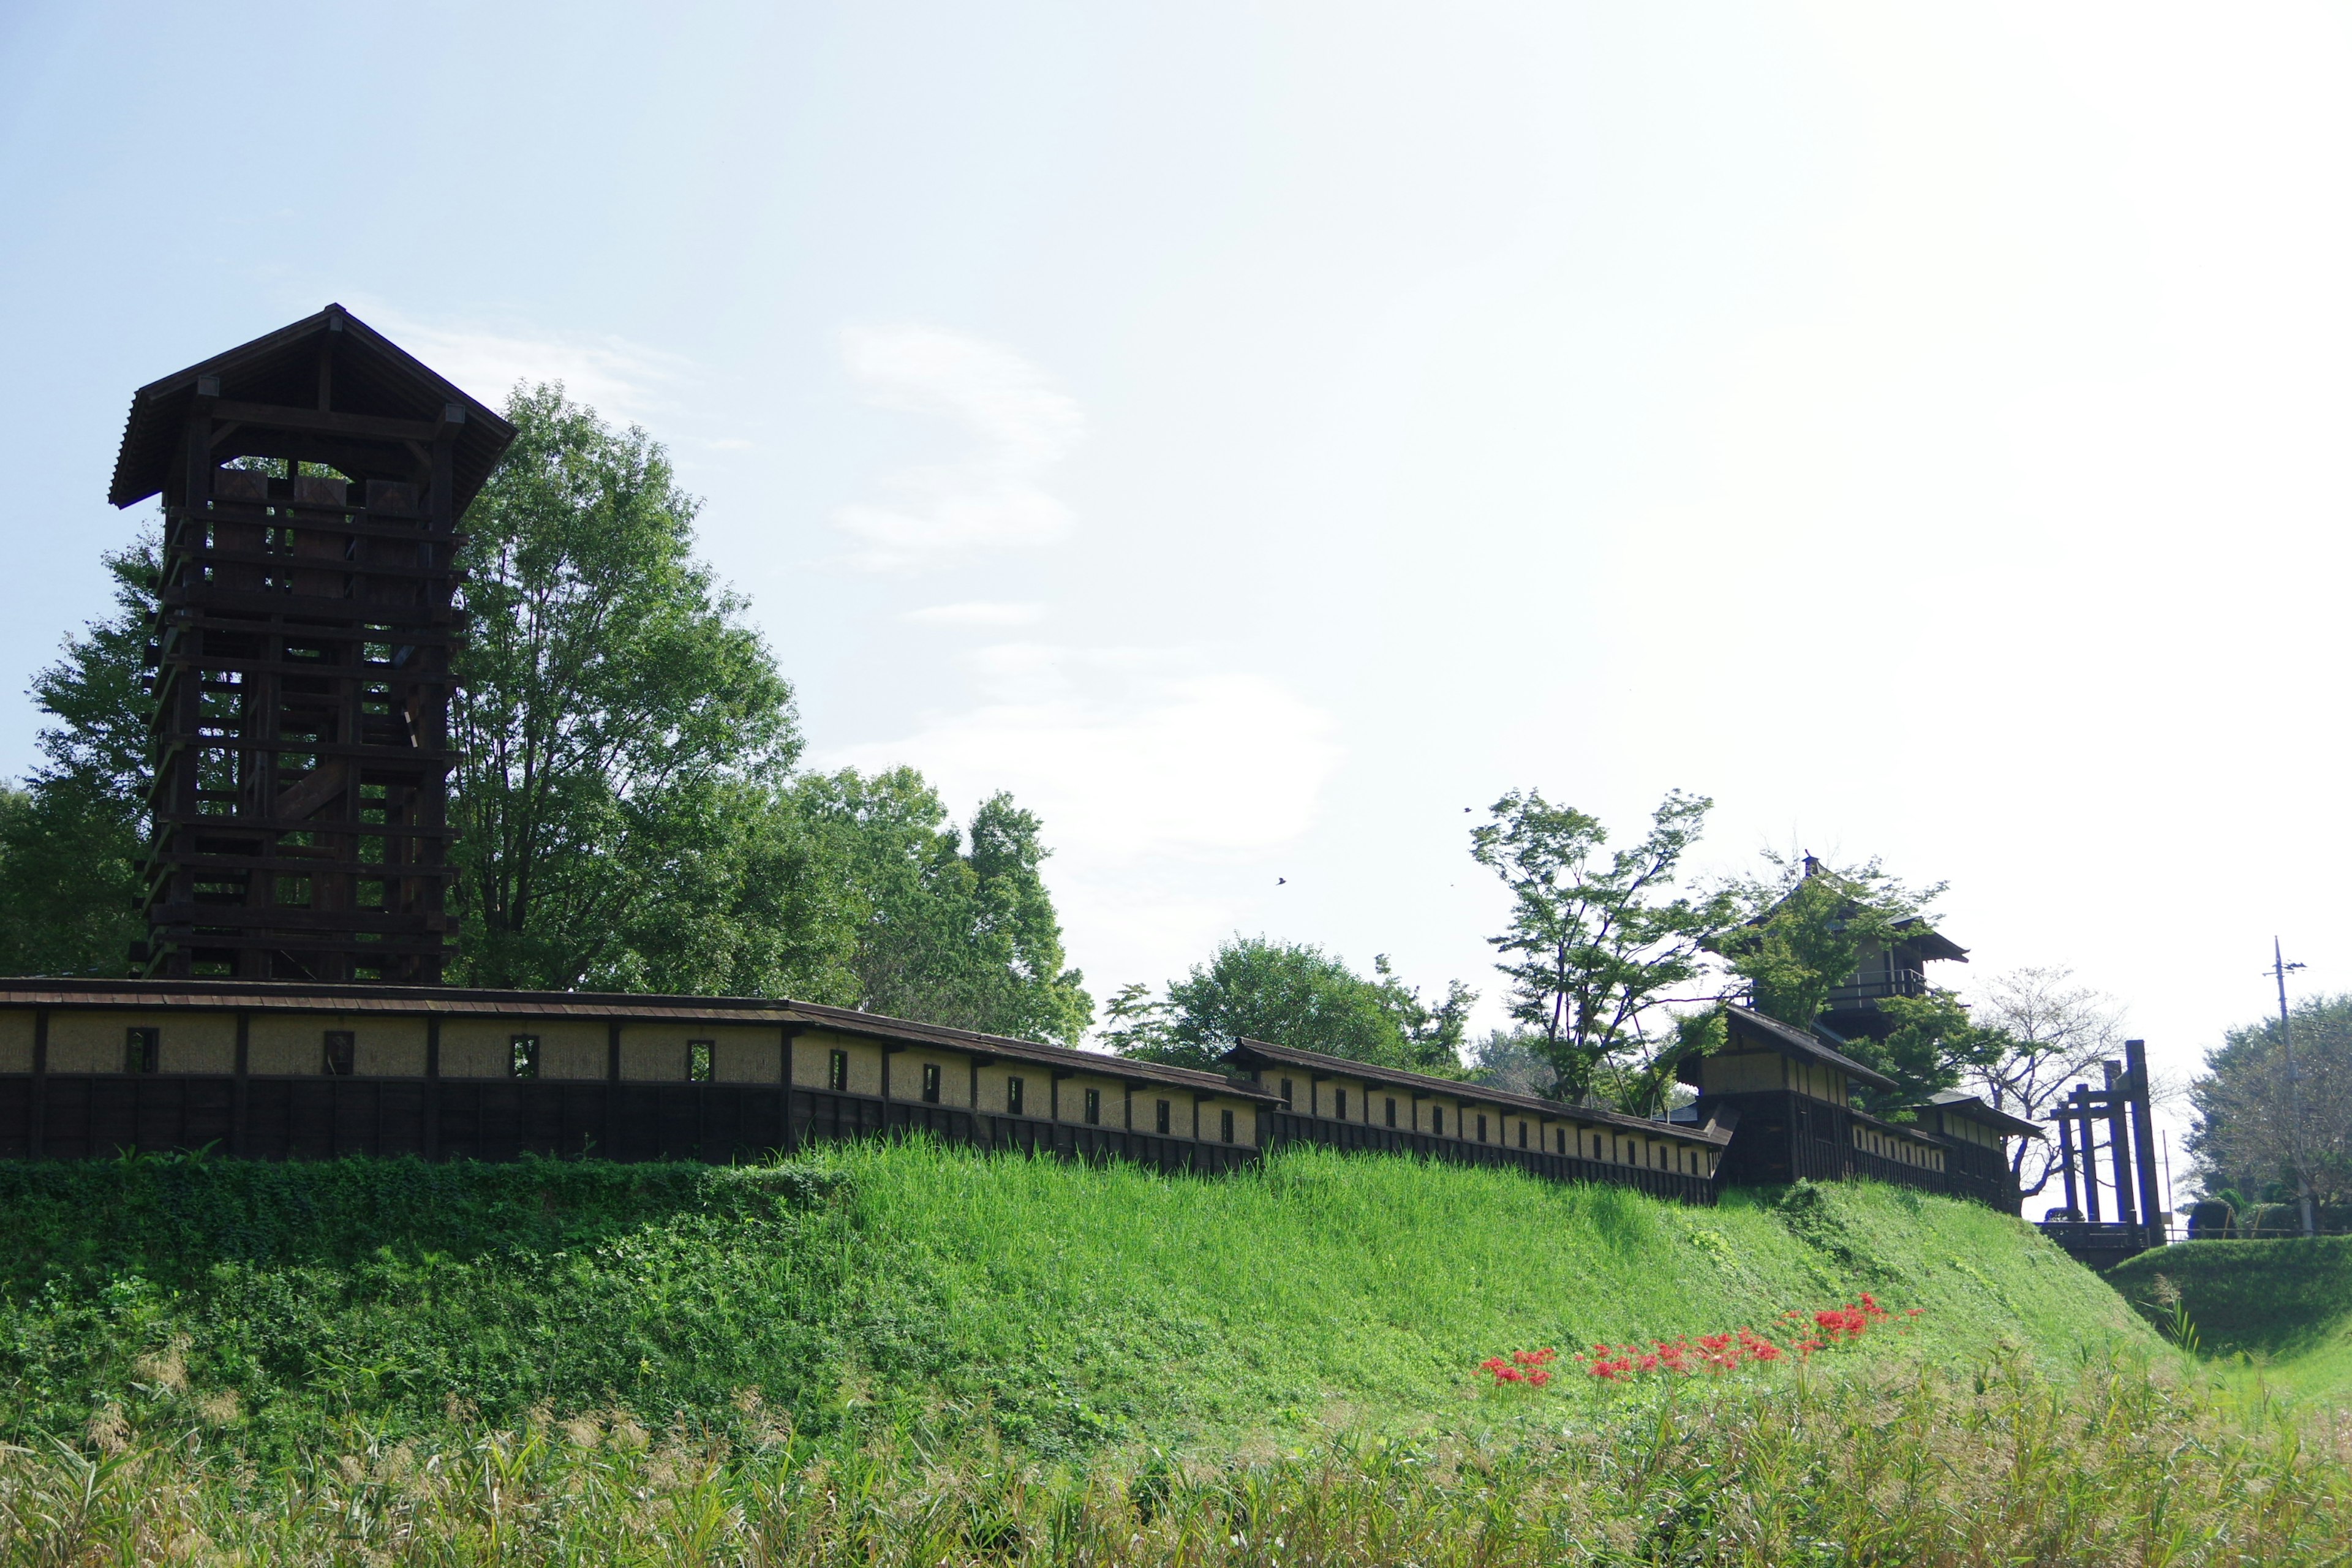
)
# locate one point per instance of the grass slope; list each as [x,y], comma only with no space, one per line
[1060,1306]
[2286,1304]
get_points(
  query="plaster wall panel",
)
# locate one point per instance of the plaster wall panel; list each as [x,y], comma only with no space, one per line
[97,1041]
[16,1039]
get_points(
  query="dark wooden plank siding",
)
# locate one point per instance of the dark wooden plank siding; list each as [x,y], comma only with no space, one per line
[1292,1127]
[103,1116]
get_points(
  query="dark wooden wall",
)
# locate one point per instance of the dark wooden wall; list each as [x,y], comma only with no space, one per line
[101,1116]
[1784,1137]
[1289,1126]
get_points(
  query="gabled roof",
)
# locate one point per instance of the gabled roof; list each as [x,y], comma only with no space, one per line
[1932,945]
[372,375]
[1773,1035]
[1246,1050]
[1977,1108]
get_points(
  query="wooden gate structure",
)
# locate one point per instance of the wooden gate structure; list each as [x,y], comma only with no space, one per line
[2120,1107]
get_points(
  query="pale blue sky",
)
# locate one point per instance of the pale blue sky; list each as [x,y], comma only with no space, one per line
[1253,433]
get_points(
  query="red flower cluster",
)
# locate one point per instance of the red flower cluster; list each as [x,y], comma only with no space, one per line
[1712,1353]
[1530,1367]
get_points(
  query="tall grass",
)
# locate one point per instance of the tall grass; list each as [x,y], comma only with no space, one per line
[1061,1309]
[1872,1464]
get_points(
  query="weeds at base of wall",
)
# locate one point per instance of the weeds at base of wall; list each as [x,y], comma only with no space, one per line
[2001,1464]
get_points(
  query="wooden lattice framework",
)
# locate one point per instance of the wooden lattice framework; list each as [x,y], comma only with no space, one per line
[301,654]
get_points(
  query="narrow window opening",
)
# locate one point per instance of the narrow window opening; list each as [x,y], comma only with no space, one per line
[698,1060]
[1094,1108]
[1285,1094]
[1437,1120]
[341,1046]
[1161,1118]
[142,1050]
[1523,1134]
[1559,1142]
[1482,1129]
[930,1083]
[1012,1088]
[522,1056]
[1392,1110]
[1226,1125]
[1340,1103]
[836,1072]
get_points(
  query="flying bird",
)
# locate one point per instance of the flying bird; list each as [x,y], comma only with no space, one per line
[1280,881]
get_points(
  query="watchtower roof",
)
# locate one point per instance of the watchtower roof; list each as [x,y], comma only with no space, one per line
[373,378]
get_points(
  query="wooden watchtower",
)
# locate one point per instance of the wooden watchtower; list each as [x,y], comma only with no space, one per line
[312,482]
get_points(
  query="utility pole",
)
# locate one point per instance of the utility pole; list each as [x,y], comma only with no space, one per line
[2279,967]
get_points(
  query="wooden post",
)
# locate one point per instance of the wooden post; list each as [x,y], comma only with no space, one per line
[787,1140]
[2151,1198]
[612,1088]
[433,1086]
[2066,1158]
[241,1096]
[37,1131]
[2089,1152]
[2119,1142]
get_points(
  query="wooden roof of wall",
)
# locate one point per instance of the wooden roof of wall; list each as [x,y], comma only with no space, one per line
[1977,1108]
[1770,1034]
[1428,1086]
[455,1002]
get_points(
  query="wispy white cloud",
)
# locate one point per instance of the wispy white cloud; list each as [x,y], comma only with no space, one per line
[1128,755]
[621,380]
[975,612]
[993,496]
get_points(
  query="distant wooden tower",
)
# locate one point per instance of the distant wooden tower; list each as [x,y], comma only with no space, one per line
[301,654]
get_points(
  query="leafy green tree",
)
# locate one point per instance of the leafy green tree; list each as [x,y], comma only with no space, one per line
[1294,994]
[627,815]
[1508,1060]
[71,841]
[1597,940]
[615,717]
[1808,926]
[1931,1045]
[2245,1136]
[943,933]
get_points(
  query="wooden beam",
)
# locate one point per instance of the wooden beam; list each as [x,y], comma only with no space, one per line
[322,422]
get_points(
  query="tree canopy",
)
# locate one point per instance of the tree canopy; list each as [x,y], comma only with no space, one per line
[69,841]
[946,927]
[1597,940]
[619,725]
[2055,1033]
[627,810]
[1294,994]
[1806,925]
[2244,1138]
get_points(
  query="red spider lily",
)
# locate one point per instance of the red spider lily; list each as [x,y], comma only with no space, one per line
[1713,1353]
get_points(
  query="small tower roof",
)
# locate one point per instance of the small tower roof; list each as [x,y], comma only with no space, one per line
[297,369]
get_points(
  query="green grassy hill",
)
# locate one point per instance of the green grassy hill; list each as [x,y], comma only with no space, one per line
[2286,1304]
[1061,1306]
